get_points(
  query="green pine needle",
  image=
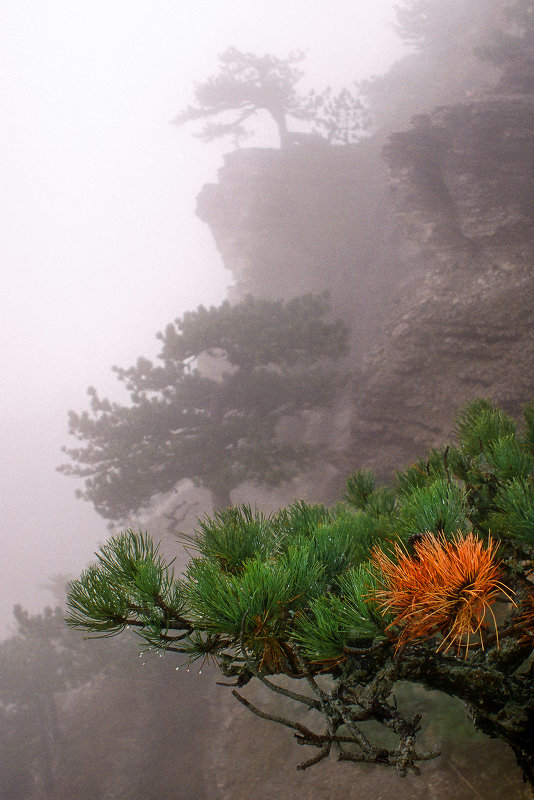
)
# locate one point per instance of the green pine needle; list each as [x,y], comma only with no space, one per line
[360,487]
[233,535]
[480,424]
[439,507]
[508,460]
[514,515]
[334,622]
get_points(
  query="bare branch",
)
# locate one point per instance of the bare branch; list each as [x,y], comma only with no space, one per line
[313,738]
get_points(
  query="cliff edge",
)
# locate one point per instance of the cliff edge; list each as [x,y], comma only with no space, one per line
[425,245]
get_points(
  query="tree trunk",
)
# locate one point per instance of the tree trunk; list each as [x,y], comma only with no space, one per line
[46,746]
[279,117]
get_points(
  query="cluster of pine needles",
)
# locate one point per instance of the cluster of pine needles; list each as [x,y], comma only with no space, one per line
[426,558]
[444,587]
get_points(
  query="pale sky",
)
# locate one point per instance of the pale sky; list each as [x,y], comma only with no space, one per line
[100,247]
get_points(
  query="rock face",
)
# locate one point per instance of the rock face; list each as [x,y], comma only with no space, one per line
[431,272]
[463,310]
[304,219]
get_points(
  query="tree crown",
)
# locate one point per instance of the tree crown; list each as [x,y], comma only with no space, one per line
[247,83]
[216,431]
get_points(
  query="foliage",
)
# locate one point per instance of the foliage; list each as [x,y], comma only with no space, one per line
[498,31]
[336,619]
[41,663]
[514,39]
[444,587]
[247,83]
[216,431]
[233,535]
[439,506]
[395,584]
[339,118]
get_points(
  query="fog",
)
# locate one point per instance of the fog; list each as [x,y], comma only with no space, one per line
[419,231]
[100,244]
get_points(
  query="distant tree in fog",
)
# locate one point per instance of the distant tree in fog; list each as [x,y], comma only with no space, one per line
[69,728]
[511,46]
[247,83]
[500,31]
[185,421]
[427,581]
[39,662]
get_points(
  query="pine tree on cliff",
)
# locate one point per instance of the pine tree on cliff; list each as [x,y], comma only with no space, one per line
[215,431]
[428,581]
[247,83]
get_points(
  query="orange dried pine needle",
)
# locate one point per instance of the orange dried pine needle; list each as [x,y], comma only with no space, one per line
[446,587]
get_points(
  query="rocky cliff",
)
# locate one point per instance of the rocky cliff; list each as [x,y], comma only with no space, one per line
[425,245]
[463,309]
[304,219]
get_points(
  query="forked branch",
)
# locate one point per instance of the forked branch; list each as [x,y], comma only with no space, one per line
[341,709]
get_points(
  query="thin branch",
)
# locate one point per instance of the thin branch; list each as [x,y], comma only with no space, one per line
[173,615]
[324,752]
[324,698]
[299,698]
[314,738]
[164,637]
[176,622]
[336,710]
[305,736]
[329,711]
[131,623]
[364,651]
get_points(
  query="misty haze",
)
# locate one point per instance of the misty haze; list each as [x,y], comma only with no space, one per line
[268,405]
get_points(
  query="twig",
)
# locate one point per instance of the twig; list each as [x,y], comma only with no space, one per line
[324,752]
[314,738]
[364,651]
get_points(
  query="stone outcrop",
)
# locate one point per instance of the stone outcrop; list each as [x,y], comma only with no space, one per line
[309,218]
[462,322]
[305,219]
[432,272]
